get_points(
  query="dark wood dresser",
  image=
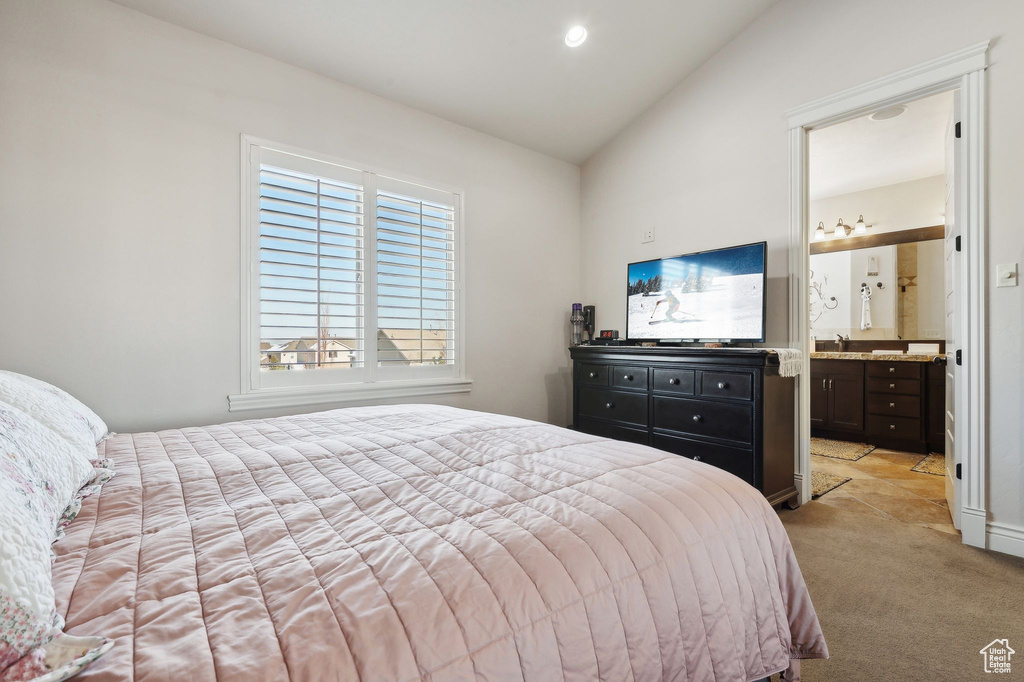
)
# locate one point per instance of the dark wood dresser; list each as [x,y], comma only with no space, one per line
[725,406]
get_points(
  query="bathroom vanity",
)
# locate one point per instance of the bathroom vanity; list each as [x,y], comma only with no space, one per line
[891,401]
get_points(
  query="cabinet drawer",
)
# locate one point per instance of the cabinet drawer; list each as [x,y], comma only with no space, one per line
[895,427]
[593,375]
[739,385]
[606,430]
[705,418]
[896,370]
[736,461]
[894,405]
[619,406]
[628,377]
[673,380]
[894,386]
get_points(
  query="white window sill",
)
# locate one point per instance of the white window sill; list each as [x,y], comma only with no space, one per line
[270,398]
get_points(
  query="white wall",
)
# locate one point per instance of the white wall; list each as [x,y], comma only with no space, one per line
[119,214]
[903,206]
[931,289]
[708,166]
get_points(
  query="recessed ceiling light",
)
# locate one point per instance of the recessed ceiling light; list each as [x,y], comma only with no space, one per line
[887,113]
[575,36]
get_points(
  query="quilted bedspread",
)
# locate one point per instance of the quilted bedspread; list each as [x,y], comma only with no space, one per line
[424,542]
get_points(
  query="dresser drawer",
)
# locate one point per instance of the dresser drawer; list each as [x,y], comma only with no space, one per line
[673,380]
[894,427]
[628,377]
[606,430]
[593,375]
[739,385]
[630,408]
[894,386]
[896,370]
[733,422]
[894,405]
[736,461]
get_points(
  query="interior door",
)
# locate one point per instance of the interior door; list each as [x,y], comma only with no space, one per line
[846,402]
[952,276]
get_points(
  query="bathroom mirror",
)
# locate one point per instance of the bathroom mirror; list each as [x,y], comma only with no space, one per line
[904,282]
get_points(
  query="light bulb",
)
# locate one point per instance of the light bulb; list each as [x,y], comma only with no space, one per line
[575,36]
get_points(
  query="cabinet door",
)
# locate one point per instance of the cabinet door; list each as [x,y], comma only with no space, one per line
[819,399]
[846,402]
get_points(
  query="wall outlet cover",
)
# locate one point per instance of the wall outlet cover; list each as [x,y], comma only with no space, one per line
[647,235]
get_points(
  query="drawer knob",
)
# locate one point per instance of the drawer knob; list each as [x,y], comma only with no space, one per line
[892,427]
[696,458]
[892,370]
[609,405]
[722,385]
[698,418]
[892,404]
[628,377]
[892,385]
[674,381]
[593,375]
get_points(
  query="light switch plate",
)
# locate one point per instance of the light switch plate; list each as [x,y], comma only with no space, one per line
[647,235]
[1006,275]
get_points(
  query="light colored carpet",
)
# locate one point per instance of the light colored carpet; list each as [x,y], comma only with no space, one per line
[901,602]
[932,464]
[839,449]
[822,482]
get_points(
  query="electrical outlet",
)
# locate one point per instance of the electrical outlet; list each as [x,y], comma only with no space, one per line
[647,235]
[1006,275]
[932,334]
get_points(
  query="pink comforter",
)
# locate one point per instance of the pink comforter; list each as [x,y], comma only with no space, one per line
[424,542]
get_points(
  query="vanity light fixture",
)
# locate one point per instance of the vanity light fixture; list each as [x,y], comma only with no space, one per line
[860,227]
[840,231]
[575,36]
[819,232]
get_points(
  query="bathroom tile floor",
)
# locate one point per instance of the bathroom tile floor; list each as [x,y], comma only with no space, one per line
[884,485]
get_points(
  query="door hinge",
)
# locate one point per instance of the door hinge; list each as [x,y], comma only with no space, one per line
[959,244]
[959,357]
[959,471]
[956,134]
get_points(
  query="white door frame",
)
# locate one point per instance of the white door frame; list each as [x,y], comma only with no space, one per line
[963,69]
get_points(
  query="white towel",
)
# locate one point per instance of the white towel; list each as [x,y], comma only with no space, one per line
[791,361]
[865,307]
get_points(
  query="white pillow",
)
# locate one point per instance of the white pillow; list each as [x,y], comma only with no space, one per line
[41,475]
[58,409]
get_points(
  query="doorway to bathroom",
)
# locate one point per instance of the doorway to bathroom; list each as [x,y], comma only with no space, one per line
[881,198]
[887,185]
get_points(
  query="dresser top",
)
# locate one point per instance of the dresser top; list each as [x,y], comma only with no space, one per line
[755,357]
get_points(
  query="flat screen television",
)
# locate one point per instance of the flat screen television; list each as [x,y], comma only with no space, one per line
[707,296]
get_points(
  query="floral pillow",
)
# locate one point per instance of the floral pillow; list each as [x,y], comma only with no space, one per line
[55,408]
[42,476]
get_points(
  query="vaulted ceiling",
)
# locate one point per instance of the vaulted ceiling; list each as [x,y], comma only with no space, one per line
[498,66]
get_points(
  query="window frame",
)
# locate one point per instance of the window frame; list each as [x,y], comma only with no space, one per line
[258,390]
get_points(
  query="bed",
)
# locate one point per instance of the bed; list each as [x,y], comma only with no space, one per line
[426,542]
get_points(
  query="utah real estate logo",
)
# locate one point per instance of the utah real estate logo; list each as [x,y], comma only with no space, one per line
[997,656]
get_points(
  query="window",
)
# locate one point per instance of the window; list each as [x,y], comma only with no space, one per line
[351,282]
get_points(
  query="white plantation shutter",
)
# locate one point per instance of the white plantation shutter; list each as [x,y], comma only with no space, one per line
[352,278]
[311,264]
[416,283]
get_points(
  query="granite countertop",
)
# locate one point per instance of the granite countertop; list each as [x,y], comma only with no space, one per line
[888,357]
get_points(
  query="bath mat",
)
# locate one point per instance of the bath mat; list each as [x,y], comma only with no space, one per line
[934,464]
[822,483]
[839,449]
